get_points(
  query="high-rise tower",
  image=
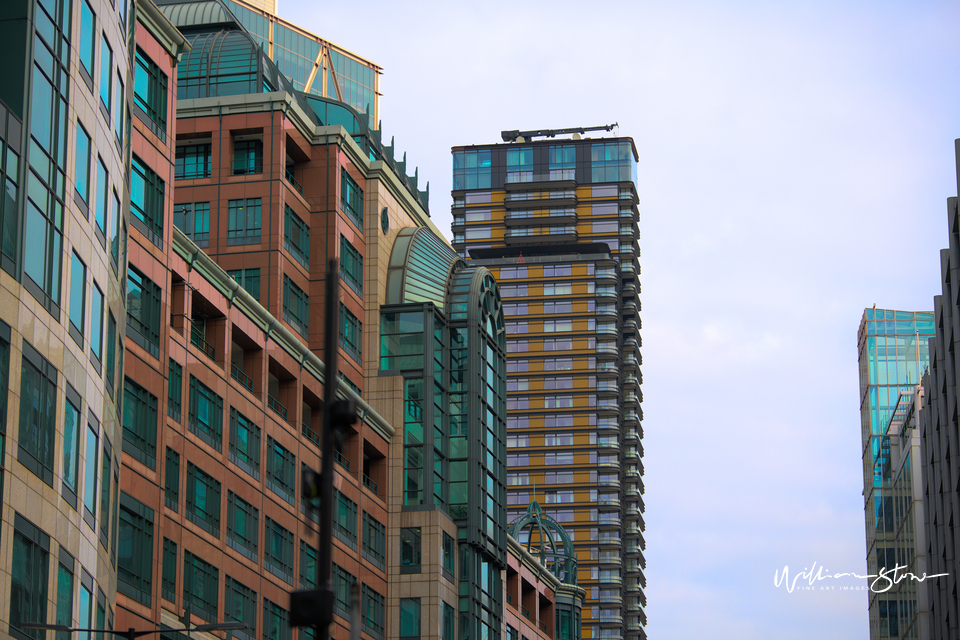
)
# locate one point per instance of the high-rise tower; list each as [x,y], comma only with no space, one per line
[557,222]
[894,353]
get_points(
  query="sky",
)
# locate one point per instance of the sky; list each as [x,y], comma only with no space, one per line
[795,161]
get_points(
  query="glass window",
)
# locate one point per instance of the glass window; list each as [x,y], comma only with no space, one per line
[308,566]
[194,220]
[114,239]
[171,486]
[90,473]
[143,311]
[276,622]
[244,443]
[351,334]
[106,75]
[410,617]
[296,235]
[175,390]
[345,519]
[200,586]
[193,161]
[105,467]
[203,500]
[449,623]
[82,175]
[206,414]
[281,469]
[88,30]
[278,550]
[351,198]
[240,604]
[372,612]
[410,549]
[96,324]
[296,305]
[249,279]
[71,444]
[29,577]
[111,352]
[78,296]
[471,170]
[519,164]
[135,558]
[342,583]
[120,104]
[103,198]
[139,423]
[243,221]
[168,583]
[38,414]
[448,554]
[243,524]
[374,540]
[65,591]
[150,94]
[247,157]
[146,201]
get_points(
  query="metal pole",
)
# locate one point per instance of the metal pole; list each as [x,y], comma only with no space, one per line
[325,550]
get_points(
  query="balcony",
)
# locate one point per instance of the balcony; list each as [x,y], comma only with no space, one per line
[197,340]
[607,292]
[627,268]
[630,398]
[609,538]
[607,367]
[611,580]
[607,311]
[607,425]
[609,501]
[245,381]
[609,464]
[608,386]
[608,443]
[611,481]
[370,484]
[605,274]
[310,434]
[630,453]
[341,460]
[630,380]
[612,598]
[630,435]
[607,329]
[608,348]
[276,407]
[630,360]
[288,174]
[605,404]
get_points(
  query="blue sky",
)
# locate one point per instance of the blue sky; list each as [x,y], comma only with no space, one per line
[795,160]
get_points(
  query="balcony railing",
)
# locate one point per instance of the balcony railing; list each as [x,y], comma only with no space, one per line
[542,625]
[197,340]
[525,612]
[277,408]
[607,347]
[607,329]
[237,374]
[341,460]
[310,434]
[370,484]
[293,181]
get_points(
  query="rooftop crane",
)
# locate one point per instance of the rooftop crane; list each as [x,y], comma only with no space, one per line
[524,136]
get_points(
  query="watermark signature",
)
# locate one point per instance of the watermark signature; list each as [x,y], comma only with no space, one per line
[881,582]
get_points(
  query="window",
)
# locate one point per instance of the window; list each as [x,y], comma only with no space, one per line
[449,623]
[206,414]
[281,467]
[351,198]
[471,170]
[105,466]
[194,220]
[120,104]
[372,612]
[243,221]
[247,157]
[517,346]
[111,351]
[276,622]
[410,550]
[513,291]
[103,197]
[510,273]
[557,307]
[243,524]
[38,414]
[193,161]
[71,442]
[374,540]
[478,233]
[308,566]
[240,604]
[519,164]
[65,583]
[139,423]
[168,583]
[28,577]
[146,201]
[514,327]
[106,76]
[175,390]
[150,94]
[295,306]
[351,334]
[88,30]
[244,443]
[278,550]
[96,325]
[78,297]
[518,366]
[171,490]
[563,162]
[200,585]
[342,581]
[114,239]
[82,177]
[135,560]
[203,500]
[448,554]
[410,617]
[249,279]
[296,236]
[345,519]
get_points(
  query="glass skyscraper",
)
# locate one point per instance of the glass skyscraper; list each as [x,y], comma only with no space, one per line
[893,355]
